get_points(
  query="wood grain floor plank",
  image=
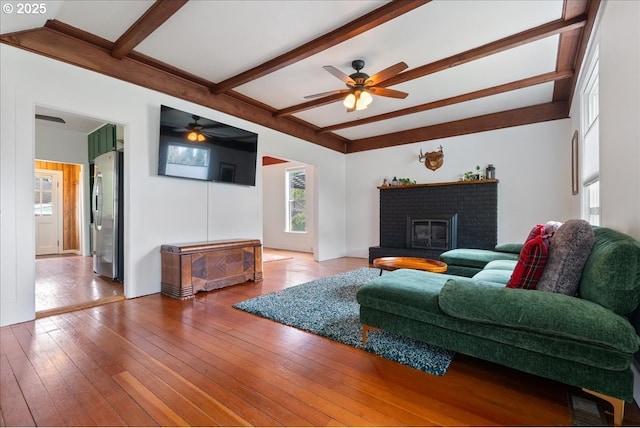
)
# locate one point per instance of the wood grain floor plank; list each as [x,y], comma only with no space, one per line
[237,398]
[261,334]
[56,285]
[283,377]
[14,408]
[36,395]
[297,410]
[161,412]
[85,357]
[356,381]
[220,413]
[69,401]
[148,373]
[293,369]
[159,361]
[92,399]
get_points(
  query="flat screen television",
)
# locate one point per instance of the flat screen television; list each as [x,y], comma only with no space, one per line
[203,149]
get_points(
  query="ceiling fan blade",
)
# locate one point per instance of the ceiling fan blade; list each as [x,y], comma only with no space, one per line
[384,92]
[324,94]
[340,75]
[386,74]
[50,118]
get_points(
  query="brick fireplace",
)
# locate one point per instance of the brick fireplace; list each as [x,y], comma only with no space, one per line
[424,220]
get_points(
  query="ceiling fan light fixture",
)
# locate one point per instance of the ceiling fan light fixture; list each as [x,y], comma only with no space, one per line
[365,98]
[362,87]
[195,136]
[349,101]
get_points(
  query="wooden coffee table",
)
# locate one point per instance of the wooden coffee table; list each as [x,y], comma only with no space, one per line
[418,263]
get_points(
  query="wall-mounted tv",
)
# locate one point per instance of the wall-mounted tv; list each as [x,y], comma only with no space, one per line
[195,147]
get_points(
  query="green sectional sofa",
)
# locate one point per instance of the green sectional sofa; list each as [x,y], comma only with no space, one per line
[470,261]
[586,341]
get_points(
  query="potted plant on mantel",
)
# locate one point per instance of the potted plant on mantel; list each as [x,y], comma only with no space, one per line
[470,175]
[405,181]
[398,182]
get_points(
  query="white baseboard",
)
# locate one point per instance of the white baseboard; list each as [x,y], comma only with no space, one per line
[76,252]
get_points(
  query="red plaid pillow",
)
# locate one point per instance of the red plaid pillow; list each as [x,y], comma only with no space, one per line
[533,258]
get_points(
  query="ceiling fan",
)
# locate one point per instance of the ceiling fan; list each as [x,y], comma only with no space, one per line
[50,118]
[194,130]
[360,86]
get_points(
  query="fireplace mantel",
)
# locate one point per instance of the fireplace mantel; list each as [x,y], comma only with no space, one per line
[445,183]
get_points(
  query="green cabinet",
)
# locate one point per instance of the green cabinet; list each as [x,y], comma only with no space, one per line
[102,141]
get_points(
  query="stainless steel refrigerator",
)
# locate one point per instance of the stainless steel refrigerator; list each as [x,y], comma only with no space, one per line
[108,228]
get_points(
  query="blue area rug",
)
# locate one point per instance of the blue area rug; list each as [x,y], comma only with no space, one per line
[327,307]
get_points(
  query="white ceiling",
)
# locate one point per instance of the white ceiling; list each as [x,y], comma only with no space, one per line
[72,122]
[217,39]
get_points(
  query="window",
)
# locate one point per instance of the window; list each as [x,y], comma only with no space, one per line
[591,144]
[296,200]
[42,197]
[187,161]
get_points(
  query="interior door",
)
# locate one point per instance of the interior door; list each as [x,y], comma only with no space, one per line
[47,207]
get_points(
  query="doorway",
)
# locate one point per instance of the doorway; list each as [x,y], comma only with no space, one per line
[64,277]
[47,206]
[288,205]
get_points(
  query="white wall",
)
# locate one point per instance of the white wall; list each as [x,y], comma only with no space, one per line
[620,116]
[619,39]
[60,145]
[532,165]
[158,210]
[274,209]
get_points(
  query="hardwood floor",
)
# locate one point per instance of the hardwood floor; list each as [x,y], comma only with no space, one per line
[67,282]
[157,361]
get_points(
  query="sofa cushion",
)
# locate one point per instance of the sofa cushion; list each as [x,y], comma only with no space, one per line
[474,258]
[568,252]
[550,314]
[410,293]
[533,258]
[611,275]
[509,265]
[465,271]
[494,276]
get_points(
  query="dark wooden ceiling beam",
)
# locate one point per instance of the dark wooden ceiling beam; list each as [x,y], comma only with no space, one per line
[568,46]
[68,49]
[74,46]
[487,122]
[107,45]
[573,50]
[309,105]
[354,28]
[149,22]
[76,33]
[469,96]
[541,32]
[532,35]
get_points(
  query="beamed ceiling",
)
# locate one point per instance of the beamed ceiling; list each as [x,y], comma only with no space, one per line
[473,66]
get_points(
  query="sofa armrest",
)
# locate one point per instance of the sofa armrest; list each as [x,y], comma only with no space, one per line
[537,311]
